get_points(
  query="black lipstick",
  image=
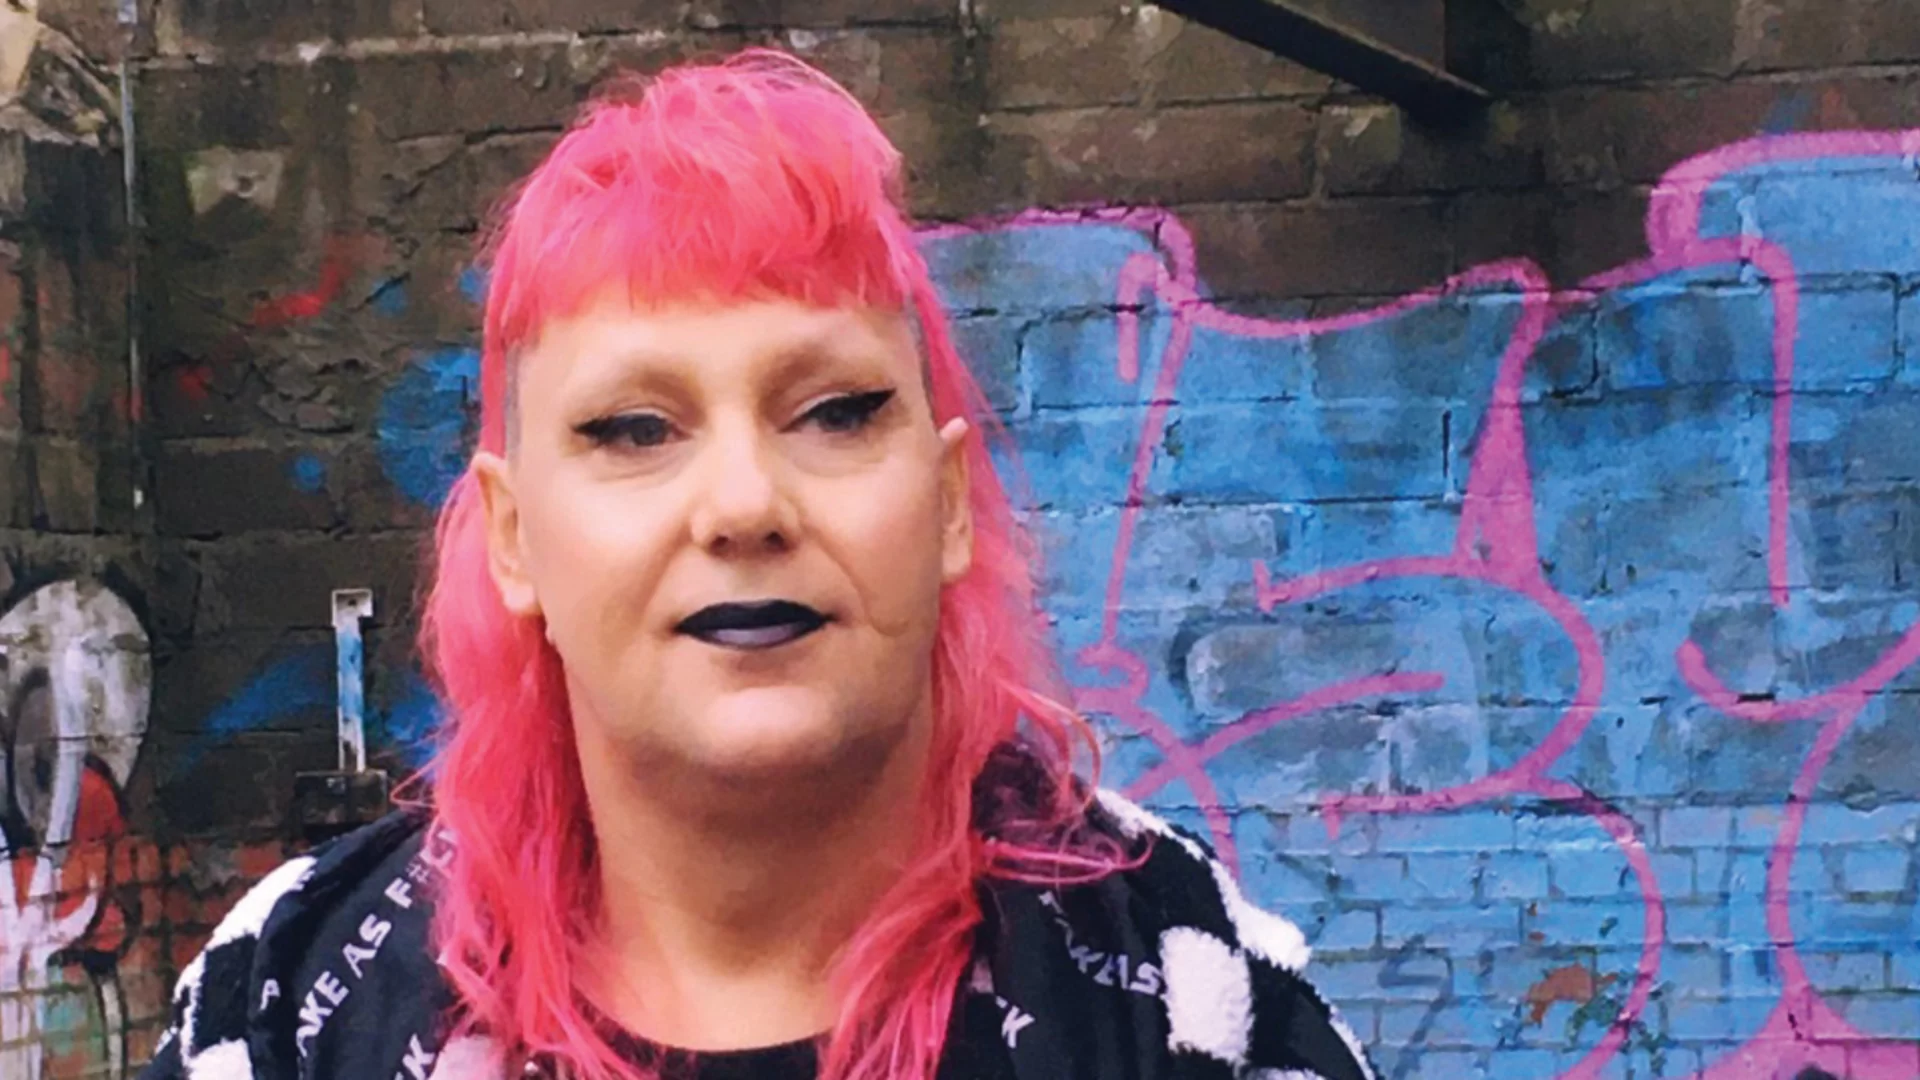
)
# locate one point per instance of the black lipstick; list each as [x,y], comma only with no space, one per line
[759,624]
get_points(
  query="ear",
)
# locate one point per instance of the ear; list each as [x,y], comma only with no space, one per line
[956,503]
[506,556]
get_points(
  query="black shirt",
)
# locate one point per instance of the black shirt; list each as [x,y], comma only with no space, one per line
[324,972]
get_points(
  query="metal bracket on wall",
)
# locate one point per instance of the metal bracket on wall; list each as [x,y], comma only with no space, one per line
[329,803]
[1340,47]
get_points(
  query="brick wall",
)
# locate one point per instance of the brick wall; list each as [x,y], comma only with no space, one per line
[1503,542]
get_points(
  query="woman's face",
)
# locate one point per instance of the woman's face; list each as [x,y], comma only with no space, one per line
[736,521]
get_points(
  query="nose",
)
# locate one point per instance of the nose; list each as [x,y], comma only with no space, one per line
[742,504]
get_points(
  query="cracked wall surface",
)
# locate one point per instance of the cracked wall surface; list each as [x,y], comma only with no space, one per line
[1500,542]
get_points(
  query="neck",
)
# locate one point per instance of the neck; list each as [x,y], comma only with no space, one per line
[727,898]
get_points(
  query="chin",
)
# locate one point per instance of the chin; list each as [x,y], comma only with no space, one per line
[768,735]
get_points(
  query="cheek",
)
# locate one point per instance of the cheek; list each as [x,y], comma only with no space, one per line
[588,552]
[891,545]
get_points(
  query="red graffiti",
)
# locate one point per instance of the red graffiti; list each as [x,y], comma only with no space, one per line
[335,266]
[1574,983]
[342,255]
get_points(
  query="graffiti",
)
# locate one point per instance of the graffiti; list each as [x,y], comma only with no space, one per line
[426,423]
[75,680]
[1560,631]
[1484,527]
[1573,983]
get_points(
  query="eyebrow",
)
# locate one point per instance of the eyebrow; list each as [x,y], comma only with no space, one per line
[794,361]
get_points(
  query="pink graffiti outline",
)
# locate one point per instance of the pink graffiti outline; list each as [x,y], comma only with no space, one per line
[1496,544]
[1803,1030]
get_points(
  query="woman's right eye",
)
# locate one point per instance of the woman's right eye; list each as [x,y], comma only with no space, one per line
[627,429]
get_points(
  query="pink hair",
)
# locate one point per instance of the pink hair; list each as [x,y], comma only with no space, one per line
[753,177]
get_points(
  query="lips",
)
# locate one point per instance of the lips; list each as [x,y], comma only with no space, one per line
[760,624]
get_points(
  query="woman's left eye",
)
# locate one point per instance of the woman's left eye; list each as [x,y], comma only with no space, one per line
[849,412]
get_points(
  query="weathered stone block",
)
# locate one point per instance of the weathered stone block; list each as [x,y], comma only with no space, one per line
[210,491]
[66,478]
[1221,153]
[517,88]
[1775,34]
[714,14]
[273,583]
[198,26]
[522,16]
[1574,41]
[1345,247]
[1377,149]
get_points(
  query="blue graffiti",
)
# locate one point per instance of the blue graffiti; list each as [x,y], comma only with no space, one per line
[390,298]
[309,473]
[426,421]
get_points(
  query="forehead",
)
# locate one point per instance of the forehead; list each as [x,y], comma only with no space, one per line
[612,335]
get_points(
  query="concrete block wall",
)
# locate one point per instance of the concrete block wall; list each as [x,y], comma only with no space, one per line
[1501,542]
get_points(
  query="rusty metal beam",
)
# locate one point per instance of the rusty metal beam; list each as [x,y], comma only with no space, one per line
[1289,28]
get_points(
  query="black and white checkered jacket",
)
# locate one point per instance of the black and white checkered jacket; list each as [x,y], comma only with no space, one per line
[1165,972]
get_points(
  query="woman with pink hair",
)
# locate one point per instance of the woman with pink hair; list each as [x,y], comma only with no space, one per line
[757,763]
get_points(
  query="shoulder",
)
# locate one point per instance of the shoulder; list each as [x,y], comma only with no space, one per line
[1236,978]
[238,1001]
[1194,889]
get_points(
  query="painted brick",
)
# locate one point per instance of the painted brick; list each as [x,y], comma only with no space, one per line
[1287,880]
[1697,1019]
[1388,451]
[1893,1015]
[1471,831]
[1434,748]
[1868,759]
[1345,931]
[1696,826]
[1595,922]
[1180,557]
[1693,971]
[1847,971]
[1454,928]
[1858,923]
[1444,1027]
[1403,977]
[1072,359]
[1365,362]
[1514,875]
[1370,877]
[1885,869]
[1052,267]
[1590,872]
[1225,366]
[1330,751]
[1903,969]
[991,347]
[1830,823]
